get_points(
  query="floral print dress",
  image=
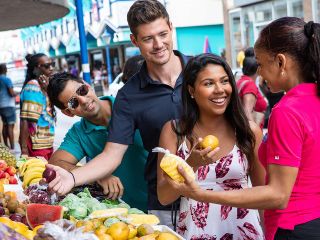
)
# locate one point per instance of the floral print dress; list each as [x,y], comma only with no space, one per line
[208,221]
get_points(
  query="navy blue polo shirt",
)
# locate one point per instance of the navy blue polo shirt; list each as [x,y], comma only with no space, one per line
[147,105]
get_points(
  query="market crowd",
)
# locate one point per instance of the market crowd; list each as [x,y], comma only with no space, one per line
[252,186]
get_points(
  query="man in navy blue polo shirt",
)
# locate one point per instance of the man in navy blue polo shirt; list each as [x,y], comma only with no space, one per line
[149,99]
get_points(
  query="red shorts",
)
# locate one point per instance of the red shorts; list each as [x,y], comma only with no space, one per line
[46,152]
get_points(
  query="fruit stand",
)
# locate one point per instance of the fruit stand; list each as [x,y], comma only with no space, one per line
[29,211]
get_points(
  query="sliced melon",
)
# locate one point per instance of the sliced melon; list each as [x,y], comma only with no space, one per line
[38,214]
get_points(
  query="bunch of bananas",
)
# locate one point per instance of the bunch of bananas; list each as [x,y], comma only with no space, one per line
[31,171]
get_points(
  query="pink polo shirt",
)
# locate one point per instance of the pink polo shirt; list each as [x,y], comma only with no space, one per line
[294,140]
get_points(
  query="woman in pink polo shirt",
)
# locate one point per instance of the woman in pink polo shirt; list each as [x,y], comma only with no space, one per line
[288,53]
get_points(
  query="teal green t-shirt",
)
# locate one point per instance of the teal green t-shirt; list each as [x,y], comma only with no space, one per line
[86,139]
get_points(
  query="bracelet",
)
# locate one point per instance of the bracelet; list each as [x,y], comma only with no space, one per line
[74,179]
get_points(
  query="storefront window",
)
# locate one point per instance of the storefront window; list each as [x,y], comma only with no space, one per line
[280,9]
[248,27]
[297,9]
[235,35]
[263,12]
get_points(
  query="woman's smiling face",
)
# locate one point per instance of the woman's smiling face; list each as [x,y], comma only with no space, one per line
[212,90]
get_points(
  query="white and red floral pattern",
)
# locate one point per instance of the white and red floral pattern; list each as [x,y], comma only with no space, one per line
[204,221]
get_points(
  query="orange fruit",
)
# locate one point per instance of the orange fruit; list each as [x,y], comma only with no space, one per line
[12,194]
[119,231]
[4,181]
[209,141]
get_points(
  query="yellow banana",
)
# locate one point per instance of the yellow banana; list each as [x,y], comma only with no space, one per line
[35,180]
[34,169]
[22,168]
[31,167]
[34,160]
[28,178]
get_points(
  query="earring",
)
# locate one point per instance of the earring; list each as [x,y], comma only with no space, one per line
[192,96]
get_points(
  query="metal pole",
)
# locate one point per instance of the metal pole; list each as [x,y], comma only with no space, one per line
[83,42]
[108,64]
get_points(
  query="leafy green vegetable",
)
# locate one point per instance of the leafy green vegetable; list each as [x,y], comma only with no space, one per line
[75,206]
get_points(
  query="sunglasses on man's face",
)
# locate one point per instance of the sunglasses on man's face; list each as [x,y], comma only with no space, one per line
[48,65]
[73,102]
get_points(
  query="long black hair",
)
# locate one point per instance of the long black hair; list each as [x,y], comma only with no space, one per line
[33,61]
[234,113]
[298,39]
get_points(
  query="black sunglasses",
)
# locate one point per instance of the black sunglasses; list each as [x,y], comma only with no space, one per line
[48,65]
[73,102]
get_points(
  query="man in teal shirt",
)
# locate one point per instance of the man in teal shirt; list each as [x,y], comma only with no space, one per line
[87,138]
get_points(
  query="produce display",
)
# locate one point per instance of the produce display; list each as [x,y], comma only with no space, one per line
[83,214]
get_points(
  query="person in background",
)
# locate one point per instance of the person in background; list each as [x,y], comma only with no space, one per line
[240,58]
[131,67]
[289,61]
[146,102]
[252,100]
[37,116]
[272,97]
[211,106]
[7,107]
[88,137]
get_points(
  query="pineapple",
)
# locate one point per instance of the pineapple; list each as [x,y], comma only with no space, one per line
[169,164]
[7,156]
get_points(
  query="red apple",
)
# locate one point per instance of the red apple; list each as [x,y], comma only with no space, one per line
[7,175]
[3,165]
[49,174]
[2,175]
[13,180]
[11,170]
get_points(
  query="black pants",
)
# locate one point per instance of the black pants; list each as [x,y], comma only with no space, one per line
[306,231]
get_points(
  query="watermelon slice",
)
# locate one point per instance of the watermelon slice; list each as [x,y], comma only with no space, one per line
[37,213]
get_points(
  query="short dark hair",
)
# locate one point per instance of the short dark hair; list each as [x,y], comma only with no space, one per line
[298,39]
[56,86]
[250,66]
[131,67]
[145,11]
[3,68]
[249,52]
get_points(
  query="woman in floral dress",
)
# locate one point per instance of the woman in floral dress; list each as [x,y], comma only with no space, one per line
[211,106]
